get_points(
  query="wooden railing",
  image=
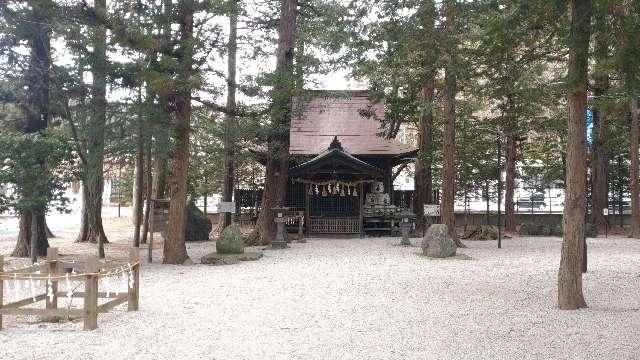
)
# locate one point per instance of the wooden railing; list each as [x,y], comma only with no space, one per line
[335,225]
[55,273]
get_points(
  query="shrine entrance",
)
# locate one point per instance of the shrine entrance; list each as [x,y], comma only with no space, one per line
[333,190]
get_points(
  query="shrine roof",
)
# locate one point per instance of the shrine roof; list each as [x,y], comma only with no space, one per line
[334,161]
[320,115]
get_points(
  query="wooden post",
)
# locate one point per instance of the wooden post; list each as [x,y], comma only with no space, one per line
[1,288]
[91,294]
[52,263]
[151,230]
[301,238]
[307,214]
[134,293]
[360,208]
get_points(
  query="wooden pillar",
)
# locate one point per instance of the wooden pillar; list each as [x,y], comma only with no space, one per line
[151,230]
[360,208]
[134,292]
[91,294]
[2,288]
[307,200]
[52,267]
[301,238]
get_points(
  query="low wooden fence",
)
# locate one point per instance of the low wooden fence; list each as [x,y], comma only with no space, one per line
[342,225]
[52,272]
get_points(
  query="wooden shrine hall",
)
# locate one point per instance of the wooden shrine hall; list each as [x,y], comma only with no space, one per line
[341,172]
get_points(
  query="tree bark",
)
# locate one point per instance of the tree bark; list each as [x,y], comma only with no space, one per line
[449,133]
[600,154]
[423,175]
[27,238]
[32,234]
[229,119]
[93,178]
[423,181]
[510,182]
[160,164]
[277,166]
[175,250]
[148,192]
[634,186]
[138,188]
[570,294]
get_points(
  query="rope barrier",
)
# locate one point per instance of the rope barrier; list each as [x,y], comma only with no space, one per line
[102,273]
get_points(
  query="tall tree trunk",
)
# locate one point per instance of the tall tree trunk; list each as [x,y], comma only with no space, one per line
[487,199]
[36,108]
[600,154]
[570,295]
[620,190]
[93,178]
[449,133]
[634,232]
[277,166]
[510,182]
[138,188]
[423,182]
[161,164]
[148,192]
[28,238]
[83,234]
[175,250]
[229,120]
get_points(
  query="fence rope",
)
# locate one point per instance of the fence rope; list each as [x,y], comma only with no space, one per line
[103,273]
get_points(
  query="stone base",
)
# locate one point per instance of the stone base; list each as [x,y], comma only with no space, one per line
[228,259]
[279,245]
[458,256]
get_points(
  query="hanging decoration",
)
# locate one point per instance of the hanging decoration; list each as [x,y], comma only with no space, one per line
[20,282]
[49,289]
[132,282]
[334,187]
[69,289]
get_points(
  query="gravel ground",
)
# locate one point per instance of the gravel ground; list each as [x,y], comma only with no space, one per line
[360,299]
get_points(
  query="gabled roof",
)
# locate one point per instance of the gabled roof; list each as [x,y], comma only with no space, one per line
[333,161]
[319,116]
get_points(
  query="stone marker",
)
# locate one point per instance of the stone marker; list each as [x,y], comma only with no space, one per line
[230,241]
[437,243]
[198,224]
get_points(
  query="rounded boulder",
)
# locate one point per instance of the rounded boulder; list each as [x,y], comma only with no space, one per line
[230,241]
[437,243]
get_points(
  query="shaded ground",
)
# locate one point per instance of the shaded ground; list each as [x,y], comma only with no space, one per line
[357,299]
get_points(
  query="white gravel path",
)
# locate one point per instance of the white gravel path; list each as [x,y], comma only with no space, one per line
[363,299]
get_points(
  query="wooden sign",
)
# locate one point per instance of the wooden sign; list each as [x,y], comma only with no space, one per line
[431,210]
[227,207]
